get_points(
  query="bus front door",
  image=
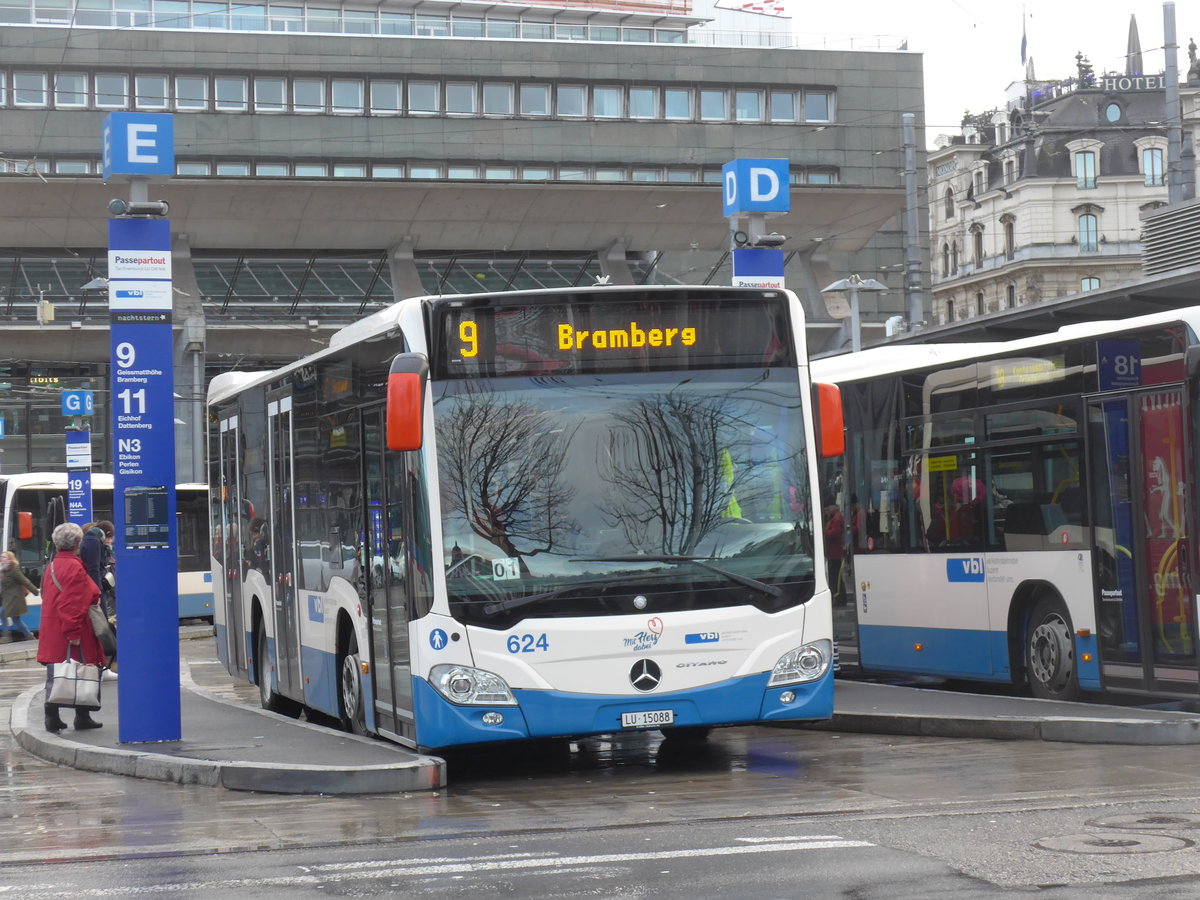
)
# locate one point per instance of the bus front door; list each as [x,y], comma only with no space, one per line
[281,525]
[1139,472]
[227,542]
[387,588]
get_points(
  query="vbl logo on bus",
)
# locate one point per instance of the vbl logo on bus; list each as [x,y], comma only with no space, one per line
[965,569]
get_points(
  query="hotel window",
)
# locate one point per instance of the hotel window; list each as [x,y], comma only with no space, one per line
[608,174]
[385,98]
[423,97]
[347,96]
[714,176]
[70,90]
[112,91]
[535,99]
[714,106]
[497,99]
[571,173]
[192,168]
[461,98]
[606,102]
[308,95]
[286,18]
[72,167]
[500,173]
[643,103]
[571,32]
[1010,296]
[646,175]
[637,35]
[1010,240]
[1089,230]
[273,170]
[150,91]
[460,172]
[571,100]
[229,94]
[269,95]
[29,88]
[604,33]
[980,183]
[979,304]
[536,173]
[945,260]
[681,175]
[191,92]
[949,203]
[954,258]
[350,170]
[820,176]
[387,171]
[1085,169]
[747,106]
[783,106]
[818,106]
[677,103]
[977,243]
[1090,283]
[424,171]
[1010,171]
[312,170]
[1152,166]
[233,169]
[949,310]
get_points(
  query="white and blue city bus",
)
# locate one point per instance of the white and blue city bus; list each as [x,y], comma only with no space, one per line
[34,503]
[1026,507]
[531,514]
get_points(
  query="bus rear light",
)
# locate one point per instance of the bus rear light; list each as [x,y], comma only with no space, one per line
[366,668]
[918,647]
[1084,633]
[804,664]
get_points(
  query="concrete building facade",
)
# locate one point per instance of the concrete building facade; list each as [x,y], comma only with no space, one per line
[332,159]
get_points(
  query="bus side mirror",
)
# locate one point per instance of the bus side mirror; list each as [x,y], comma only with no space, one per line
[25,526]
[831,426]
[406,401]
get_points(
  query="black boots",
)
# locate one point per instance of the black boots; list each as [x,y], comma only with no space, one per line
[54,722]
[84,720]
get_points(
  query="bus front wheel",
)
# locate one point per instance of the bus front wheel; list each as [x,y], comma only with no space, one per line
[269,699]
[1050,653]
[350,698]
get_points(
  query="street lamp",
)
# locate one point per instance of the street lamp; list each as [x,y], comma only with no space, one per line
[852,285]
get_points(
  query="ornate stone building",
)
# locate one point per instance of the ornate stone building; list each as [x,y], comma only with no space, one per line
[1045,198]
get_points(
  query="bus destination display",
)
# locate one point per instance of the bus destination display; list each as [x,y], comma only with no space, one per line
[481,339]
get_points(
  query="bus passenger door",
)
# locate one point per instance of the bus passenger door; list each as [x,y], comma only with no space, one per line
[227,542]
[281,525]
[1145,618]
[387,586]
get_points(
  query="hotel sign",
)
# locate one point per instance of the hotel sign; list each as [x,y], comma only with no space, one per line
[1129,83]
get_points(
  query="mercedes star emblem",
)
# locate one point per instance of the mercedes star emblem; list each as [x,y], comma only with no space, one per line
[645,675]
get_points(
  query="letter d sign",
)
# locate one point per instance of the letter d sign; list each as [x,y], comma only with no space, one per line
[756,186]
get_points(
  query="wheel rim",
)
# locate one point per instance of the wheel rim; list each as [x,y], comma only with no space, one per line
[1050,656]
[350,686]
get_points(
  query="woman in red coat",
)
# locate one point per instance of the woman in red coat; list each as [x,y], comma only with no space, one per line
[67,592]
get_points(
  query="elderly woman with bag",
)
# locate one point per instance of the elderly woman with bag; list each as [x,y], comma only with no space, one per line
[66,632]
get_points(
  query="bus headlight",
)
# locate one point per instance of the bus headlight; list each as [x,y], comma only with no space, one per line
[471,687]
[807,663]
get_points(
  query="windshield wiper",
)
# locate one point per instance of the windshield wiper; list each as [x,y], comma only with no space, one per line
[770,590]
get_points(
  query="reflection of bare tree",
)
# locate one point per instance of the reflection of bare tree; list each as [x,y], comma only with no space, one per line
[503,460]
[676,467]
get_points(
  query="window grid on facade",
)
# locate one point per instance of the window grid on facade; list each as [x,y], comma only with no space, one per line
[1089,229]
[1152,166]
[1085,169]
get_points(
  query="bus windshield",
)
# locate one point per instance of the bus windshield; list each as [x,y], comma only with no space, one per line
[613,494]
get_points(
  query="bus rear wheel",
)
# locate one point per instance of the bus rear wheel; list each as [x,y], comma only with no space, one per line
[1050,653]
[350,693]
